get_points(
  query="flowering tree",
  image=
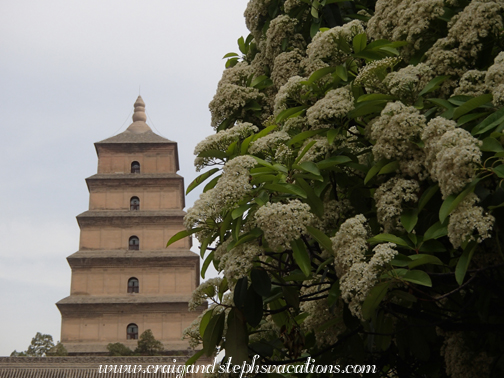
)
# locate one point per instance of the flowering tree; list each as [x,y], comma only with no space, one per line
[354,202]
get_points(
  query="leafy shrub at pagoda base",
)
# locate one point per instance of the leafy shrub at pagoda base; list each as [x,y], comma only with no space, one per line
[352,192]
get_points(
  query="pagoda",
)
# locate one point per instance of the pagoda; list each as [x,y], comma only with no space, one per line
[124,279]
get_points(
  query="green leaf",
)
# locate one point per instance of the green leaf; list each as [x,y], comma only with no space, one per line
[241,45]
[451,202]
[261,281]
[433,84]
[464,261]
[287,113]
[194,357]
[342,72]
[240,210]
[316,204]
[499,170]
[334,294]
[374,170]
[409,219]
[375,96]
[305,150]
[182,234]
[204,322]
[388,238]
[422,259]
[493,120]
[319,74]
[240,292]
[213,154]
[359,42]
[435,231]
[332,161]
[470,117]
[213,333]
[206,263]
[258,80]
[417,277]
[471,105]
[373,299]
[280,318]
[304,135]
[308,166]
[324,264]
[301,256]
[287,188]
[320,237]
[291,296]
[211,184]
[198,180]
[236,344]
[229,55]
[389,168]
[253,308]
[426,196]
[492,145]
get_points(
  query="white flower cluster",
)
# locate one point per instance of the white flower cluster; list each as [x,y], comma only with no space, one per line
[282,223]
[362,277]
[494,79]
[238,74]
[230,99]
[232,186]
[472,83]
[457,157]
[463,362]
[295,124]
[255,12]
[372,74]
[458,51]
[269,143]
[204,291]
[286,65]
[408,81]
[316,152]
[390,197]
[333,107]
[291,4]
[325,46]
[467,218]
[290,92]
[237,262]
[221,141]
[280,29]
[394,132]
[350,244]
[404,20]
[334,212]
[319,315]
[234,183]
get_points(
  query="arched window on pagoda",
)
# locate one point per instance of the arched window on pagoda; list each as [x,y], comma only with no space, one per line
[134,203]
[132,332]
[134,243]
[135,167]
[133,285]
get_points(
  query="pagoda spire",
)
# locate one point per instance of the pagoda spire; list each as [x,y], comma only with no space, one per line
[139,113]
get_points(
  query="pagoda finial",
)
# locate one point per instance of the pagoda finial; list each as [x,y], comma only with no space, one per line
[139,114]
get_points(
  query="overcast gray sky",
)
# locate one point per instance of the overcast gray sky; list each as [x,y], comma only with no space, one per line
[70,72]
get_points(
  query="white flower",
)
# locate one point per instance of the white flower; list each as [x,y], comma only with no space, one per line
[283,223]
[333,107]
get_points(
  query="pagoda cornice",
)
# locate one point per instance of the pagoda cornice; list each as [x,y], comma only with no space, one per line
[121,218]
[126,258]
[134,180]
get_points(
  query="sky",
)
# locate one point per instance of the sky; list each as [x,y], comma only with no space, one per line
[70,72]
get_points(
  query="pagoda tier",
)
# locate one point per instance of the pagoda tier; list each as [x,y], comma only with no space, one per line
[124,279]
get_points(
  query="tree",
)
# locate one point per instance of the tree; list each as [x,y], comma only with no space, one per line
[148,345]
[355,205]
[119,349]
[58,350]
[40,346]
